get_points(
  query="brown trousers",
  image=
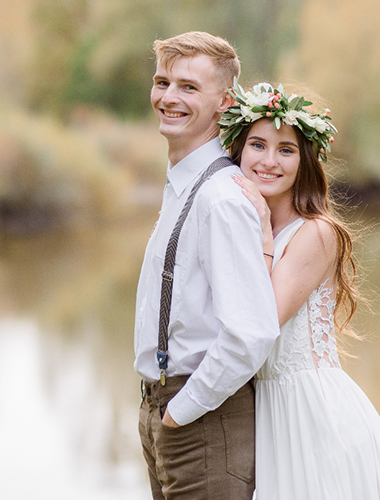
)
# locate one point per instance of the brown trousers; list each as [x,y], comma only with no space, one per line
[209,459]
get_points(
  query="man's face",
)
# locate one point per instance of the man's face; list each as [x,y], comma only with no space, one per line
[187,98]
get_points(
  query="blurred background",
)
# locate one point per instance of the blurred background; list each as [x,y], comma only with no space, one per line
[82,168]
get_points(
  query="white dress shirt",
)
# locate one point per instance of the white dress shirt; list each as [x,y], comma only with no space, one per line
[223,319]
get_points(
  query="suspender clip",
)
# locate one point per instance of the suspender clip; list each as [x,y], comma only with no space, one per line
[163,364]
[162,358]
[167,276]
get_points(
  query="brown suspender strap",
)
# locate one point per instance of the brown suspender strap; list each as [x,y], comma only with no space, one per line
[168,272]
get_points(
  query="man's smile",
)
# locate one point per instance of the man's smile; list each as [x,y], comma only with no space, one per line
[173,114]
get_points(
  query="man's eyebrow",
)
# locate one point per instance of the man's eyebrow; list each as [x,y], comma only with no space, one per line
[196,83]
[159,77]
[189,81]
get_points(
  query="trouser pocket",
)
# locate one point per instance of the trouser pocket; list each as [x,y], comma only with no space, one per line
[163,403]
[239,433]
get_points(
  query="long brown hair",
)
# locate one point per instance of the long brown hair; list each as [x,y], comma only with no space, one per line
[312,200]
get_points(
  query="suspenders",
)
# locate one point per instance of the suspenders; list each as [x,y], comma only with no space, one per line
[167,274]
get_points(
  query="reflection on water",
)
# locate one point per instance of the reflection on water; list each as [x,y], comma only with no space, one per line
[68,394]
[58,449]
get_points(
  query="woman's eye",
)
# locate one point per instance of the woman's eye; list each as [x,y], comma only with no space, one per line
[287,151]
[257,145]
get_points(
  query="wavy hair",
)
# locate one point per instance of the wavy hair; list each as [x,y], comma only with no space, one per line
[312,200]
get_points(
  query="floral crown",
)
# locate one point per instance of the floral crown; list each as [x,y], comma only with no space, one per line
[268,102]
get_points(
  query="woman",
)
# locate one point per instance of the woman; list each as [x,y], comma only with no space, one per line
[318,435]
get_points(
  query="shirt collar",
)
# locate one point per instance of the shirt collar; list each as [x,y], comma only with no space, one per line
[186,170]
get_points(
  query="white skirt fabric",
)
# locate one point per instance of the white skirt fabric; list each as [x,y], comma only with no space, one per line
[317,438]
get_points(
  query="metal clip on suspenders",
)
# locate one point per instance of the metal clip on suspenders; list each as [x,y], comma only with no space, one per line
[167,274]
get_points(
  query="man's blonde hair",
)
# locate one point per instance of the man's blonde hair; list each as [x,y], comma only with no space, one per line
[193,43]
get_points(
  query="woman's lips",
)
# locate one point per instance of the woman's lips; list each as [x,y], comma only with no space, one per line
[266,176]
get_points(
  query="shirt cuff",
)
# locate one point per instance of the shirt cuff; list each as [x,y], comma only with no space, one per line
[183,409]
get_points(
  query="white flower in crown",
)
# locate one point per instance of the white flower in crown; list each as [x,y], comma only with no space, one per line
[303,115]
[249,115]
[321,125]
[290,117]
[259,98]
[267,87]
[315,122]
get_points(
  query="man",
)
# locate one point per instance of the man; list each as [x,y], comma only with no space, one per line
[197,430]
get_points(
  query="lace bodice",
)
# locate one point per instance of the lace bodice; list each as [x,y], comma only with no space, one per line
[321,321]
[295,353]
[307,340]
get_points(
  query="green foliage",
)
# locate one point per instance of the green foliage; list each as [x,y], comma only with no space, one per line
[48,168]
[100,54]
[337,54]
[67,57]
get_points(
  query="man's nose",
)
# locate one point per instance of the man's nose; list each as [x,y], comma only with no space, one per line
[170,95]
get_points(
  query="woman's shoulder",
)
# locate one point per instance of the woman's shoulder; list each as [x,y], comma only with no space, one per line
[315,235]
[319,227]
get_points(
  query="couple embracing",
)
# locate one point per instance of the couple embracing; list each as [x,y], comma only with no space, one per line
[244,280]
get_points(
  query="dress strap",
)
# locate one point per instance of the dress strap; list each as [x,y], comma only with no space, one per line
[284,237]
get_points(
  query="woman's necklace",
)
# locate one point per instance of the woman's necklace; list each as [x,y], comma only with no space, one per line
[290,220]
[285,225]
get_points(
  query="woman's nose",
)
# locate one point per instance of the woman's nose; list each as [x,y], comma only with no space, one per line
[269,160]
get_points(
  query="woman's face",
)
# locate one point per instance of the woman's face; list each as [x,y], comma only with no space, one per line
[270,158]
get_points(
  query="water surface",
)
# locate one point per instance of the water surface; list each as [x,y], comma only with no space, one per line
[69,397]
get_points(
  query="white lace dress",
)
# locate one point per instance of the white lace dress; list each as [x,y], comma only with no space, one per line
[317,434]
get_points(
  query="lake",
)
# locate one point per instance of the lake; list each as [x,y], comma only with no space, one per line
[69,396]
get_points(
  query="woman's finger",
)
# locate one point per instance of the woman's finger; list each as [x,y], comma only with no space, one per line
[247,184]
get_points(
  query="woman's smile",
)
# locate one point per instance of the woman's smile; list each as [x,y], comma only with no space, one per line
[266,176]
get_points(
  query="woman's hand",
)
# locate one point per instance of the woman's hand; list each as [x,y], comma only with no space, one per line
[251,192]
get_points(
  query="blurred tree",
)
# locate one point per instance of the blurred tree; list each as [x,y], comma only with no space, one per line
[338,54]
[100,52]
[58,55]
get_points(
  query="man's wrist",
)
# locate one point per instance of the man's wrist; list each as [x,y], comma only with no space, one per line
[183,409]
[168,420]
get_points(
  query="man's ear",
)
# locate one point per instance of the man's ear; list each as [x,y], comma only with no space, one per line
[226,102]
